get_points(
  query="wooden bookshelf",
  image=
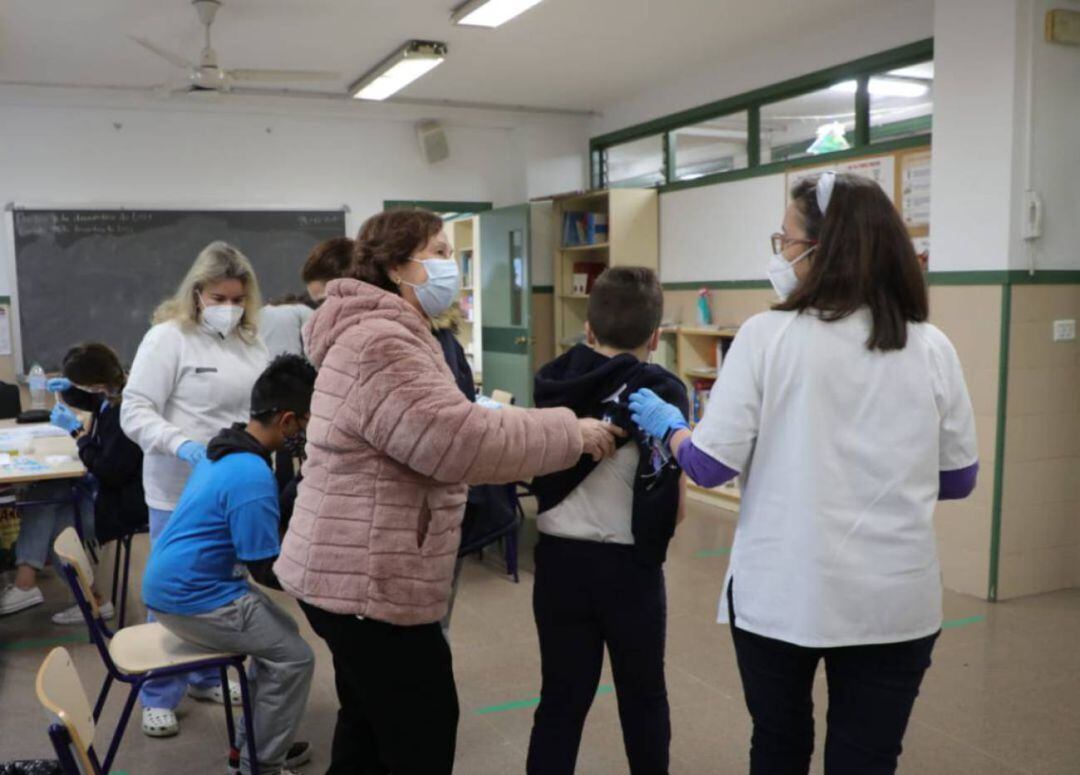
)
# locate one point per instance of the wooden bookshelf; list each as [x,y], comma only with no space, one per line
[632,240]
[464,236]
[699,358]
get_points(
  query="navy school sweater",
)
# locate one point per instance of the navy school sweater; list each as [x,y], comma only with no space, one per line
[583,380]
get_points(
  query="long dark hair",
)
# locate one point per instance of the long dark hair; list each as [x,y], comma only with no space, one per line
[864,257]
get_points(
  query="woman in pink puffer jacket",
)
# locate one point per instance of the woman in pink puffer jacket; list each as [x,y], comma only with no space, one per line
[392,446]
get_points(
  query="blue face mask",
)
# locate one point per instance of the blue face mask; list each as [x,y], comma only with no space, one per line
[442,287]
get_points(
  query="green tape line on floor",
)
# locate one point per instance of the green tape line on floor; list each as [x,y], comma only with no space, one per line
[951,624]
[44,643]
[531,702]
[723,551]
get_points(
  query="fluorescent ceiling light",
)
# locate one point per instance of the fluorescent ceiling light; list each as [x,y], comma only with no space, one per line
[399,69]
[490,13]
[885,87]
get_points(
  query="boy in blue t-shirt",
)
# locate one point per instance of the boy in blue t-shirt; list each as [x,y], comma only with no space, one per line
[224,529]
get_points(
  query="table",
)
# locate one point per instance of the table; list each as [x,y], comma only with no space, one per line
[43,448]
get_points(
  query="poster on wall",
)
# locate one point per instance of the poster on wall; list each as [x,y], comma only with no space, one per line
[880,169]
[915,189]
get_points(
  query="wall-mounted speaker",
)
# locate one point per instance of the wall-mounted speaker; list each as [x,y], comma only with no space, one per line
[433,145]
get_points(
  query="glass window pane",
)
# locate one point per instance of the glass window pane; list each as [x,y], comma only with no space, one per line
[810,124]
[901,102]
[716,145]
[517,276]
[636,163]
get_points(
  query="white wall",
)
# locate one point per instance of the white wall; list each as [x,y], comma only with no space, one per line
[71,152]
[720,232]
[1052,164]
[972,174]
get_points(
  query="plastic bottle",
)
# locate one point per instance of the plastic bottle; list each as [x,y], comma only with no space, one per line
[704,311]
[38,393]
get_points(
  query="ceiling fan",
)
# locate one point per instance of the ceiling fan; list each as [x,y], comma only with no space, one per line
[207,76]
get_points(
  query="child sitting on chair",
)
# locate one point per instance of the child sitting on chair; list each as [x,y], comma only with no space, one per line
[92,382]
[226,527]
[604,531]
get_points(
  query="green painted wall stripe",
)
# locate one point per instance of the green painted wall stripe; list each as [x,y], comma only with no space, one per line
[723,551]
[44,643]
[886,60]
[999,441]
[531,702]
[952,624]
[5,300]
[543,289]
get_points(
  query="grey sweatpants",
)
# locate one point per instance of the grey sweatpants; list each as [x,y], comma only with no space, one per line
[280,669]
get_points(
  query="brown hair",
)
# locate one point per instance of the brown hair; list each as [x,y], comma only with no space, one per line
[390,239]
[328,260]
[91,364]
[625,307]
[864,257]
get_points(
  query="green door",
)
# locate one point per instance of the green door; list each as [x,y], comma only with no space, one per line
[505,302]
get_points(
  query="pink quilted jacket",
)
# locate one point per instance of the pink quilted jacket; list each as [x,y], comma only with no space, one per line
[391,446]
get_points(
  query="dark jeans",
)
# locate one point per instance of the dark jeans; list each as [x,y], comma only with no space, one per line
[395,684]
[588,595]
[872,690]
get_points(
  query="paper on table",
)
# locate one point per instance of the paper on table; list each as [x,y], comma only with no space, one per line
[35,431]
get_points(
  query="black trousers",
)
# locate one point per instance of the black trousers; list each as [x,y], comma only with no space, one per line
[872,690]
[399,705]
[588,595]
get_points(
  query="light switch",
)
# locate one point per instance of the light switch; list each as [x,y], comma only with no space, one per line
[1064,330]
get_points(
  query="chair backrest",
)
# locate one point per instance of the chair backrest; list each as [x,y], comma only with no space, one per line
[10,401]
[503,397]
[61,693]
[70,550]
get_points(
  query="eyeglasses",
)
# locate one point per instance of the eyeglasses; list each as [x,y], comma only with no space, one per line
[780,241]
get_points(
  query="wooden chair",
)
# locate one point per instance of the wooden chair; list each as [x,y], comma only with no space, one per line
[143,652]
[61,693]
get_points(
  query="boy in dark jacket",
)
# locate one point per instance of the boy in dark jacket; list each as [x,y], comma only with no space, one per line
[604,532]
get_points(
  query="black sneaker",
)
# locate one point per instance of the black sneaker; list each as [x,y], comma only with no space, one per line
[299,753]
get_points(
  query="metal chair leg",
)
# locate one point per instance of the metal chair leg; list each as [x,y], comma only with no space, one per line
[101,696]
[249,723]
[126,578]
[229,725]
[116,574]
[121,726]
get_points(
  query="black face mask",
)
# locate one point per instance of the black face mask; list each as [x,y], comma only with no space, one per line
[294,444]
[77,398]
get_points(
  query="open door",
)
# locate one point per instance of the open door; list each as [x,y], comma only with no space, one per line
[506,299]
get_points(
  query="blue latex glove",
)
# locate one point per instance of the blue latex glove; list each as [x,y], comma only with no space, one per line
[191,452]
[62,417]
[58,384]
[654,415]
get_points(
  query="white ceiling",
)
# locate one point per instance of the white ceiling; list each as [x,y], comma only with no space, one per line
[575,54]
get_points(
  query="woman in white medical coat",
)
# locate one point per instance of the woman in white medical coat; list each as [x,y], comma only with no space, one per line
[847,418]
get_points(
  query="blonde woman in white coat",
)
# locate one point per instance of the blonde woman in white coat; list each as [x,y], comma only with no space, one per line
[192,376]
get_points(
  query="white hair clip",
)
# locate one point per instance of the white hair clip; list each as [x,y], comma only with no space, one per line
[825,184]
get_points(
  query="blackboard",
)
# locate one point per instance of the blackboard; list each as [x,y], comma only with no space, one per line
[99,274]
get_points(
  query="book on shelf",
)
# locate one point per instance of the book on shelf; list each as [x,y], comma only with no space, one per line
[467,265]
[580,229]
[586,271]
[700,398]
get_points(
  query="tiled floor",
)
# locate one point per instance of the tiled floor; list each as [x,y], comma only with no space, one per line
[1002,697]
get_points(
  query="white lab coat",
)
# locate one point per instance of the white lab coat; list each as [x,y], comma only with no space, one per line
[281,328]
[185,385]
[839,450]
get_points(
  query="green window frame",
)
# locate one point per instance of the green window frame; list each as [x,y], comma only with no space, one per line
[859,70]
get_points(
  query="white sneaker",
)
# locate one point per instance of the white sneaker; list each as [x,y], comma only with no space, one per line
[13,599]
[215,694]
[73,615]
[159,722]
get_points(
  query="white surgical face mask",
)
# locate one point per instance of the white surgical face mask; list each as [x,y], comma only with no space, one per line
[223,318]
[441,288]
[782,273]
